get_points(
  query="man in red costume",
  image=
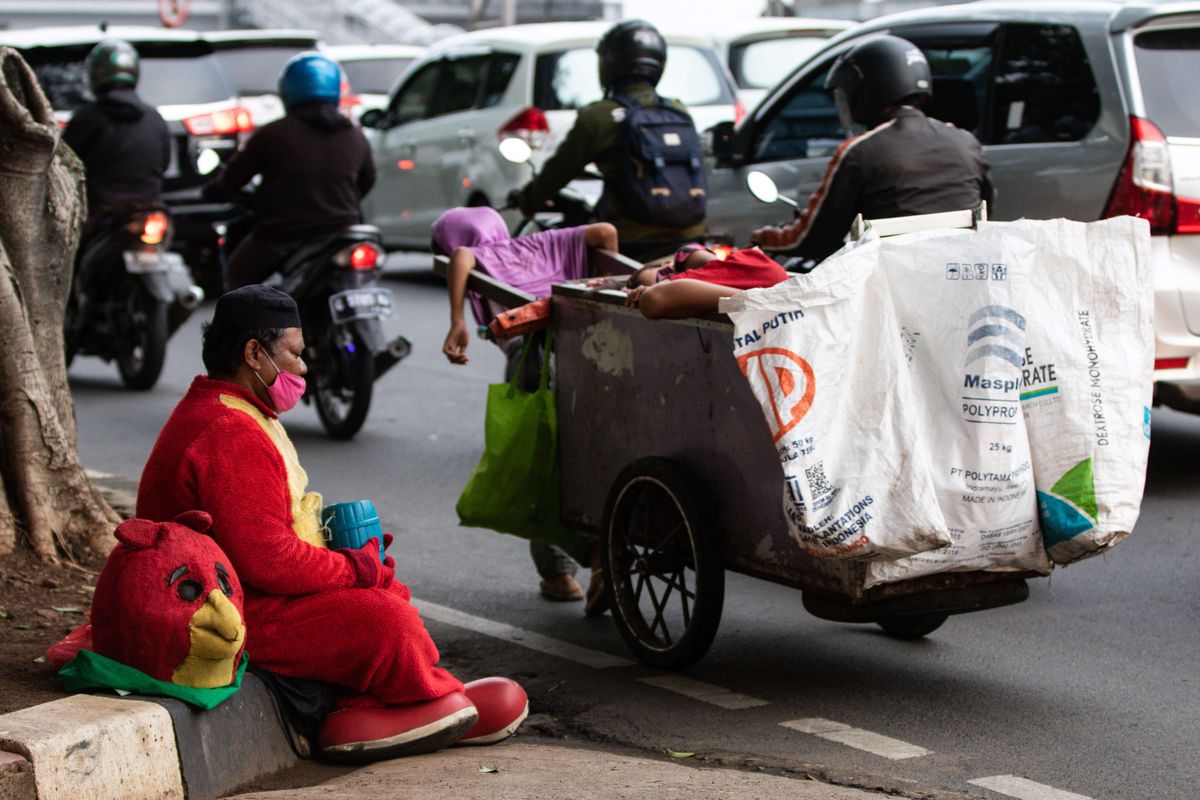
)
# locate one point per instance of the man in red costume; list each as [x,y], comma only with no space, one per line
[337,616]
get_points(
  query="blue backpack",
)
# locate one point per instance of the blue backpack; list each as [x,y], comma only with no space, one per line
[662,166]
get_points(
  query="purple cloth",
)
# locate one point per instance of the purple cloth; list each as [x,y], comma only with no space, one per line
[530,263]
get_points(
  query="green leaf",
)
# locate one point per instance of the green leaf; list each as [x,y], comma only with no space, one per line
[486,769]
[677,753]
[3,614]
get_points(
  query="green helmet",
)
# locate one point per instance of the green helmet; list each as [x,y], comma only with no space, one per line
[112,62]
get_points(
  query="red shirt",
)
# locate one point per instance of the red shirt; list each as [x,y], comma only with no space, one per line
[742,269]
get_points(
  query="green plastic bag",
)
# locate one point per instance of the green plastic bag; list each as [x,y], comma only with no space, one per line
[515,486]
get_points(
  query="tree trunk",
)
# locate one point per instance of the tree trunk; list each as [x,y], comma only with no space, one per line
[46,500]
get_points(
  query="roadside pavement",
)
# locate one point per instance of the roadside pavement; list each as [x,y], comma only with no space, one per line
[529,770]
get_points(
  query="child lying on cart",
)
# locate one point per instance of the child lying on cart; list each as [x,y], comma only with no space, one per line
[476,238]
[695,279]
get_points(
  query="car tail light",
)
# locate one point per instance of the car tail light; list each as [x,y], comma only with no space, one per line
[219,123]
[1170,363]
[530,125]
[1145,187]
[363,255]
[739,112]
[154,228]
[347,99]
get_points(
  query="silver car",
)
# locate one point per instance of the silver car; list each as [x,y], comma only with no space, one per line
[1085,110]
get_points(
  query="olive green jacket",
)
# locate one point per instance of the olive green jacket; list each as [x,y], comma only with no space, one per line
[595,139]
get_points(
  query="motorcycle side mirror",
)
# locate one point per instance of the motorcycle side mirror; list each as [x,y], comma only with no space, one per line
[371,118]
[762,187]
[207,161]
[516,150]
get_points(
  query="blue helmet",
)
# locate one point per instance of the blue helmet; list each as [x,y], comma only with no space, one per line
[310,78]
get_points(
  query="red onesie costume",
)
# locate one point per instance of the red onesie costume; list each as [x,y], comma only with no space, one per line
[224,452]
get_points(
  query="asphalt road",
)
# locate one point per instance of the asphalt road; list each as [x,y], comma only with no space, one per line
[1088,689]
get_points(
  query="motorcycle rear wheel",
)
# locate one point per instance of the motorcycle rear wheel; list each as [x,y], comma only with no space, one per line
[140,333]
[343,388]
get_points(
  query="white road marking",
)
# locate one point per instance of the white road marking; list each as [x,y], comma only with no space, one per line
[529,639]
[1024,789]
[856,737]
[704,692]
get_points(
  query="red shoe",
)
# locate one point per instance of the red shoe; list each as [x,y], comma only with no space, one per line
[503,706]
[360,735]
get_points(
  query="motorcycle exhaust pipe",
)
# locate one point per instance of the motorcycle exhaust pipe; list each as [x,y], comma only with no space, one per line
[191,297]
[397,350]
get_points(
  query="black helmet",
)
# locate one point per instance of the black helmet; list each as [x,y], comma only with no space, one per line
[877,74]
[111,62]
[631,50]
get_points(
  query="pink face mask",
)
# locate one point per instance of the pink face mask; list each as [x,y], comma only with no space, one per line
[285,391]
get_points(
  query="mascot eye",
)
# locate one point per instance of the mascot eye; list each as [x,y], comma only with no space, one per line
[223,580]
[189,591]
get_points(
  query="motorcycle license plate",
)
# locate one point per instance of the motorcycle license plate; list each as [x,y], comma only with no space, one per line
[360,304]
[140,262]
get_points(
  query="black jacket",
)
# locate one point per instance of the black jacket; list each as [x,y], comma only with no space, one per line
[125,148]
[315,166]
[910,164]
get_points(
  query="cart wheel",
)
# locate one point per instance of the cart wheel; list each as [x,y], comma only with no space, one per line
[911,626]
[665,580]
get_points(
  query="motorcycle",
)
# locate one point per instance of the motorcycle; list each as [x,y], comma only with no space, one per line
[335,282]
[128,296]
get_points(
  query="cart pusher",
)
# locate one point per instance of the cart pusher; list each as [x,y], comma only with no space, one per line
[664,454]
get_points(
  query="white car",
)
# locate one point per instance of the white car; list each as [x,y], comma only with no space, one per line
[435,143]
[761,51]
[371,70]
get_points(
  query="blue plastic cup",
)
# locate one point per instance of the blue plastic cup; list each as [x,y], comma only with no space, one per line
[349,525]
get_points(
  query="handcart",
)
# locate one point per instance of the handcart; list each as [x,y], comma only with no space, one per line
[664,454]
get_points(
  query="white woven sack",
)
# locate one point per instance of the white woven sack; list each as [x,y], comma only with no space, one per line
[823,358]
[1088,379]
[961,299]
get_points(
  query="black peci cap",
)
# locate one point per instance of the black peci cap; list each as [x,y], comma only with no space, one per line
[254,307]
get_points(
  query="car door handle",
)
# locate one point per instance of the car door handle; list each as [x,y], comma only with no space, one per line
[466,134]
[407,150]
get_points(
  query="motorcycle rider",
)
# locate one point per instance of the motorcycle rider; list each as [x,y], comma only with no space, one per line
[315,166]
[123,143]
[905,163]
[632,56]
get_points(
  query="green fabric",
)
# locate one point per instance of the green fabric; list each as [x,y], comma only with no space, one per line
[595,139]
[89,670]
[515,486]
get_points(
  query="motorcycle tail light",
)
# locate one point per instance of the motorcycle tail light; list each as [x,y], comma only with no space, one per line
[154,228]
[361,256]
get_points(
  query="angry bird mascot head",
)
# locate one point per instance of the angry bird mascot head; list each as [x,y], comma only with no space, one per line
[168,603]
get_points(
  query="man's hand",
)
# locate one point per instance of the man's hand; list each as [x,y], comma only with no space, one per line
[455,346]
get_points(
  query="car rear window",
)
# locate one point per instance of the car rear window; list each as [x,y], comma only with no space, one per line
[255,69]
[762,64]
[374,75]
[569,79]
[1165,61]
[170,75]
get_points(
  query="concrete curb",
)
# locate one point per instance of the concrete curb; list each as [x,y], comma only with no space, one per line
[99,747]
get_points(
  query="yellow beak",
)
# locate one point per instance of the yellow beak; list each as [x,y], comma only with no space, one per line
[217,635]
